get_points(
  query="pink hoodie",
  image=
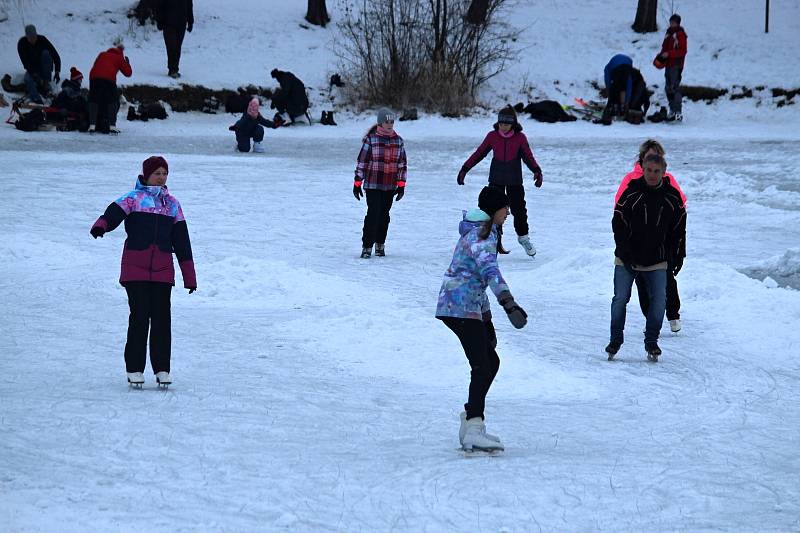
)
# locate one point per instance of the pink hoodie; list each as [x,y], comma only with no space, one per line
[637,173]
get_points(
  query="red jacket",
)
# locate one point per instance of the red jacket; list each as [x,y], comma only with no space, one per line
[674,46]
[107,65]
[637,173]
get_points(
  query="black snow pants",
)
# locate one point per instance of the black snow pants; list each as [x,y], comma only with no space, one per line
[516,199]
[149,302]
[673,299]
[376,223]
[478,340]
[173,40]
[103,101]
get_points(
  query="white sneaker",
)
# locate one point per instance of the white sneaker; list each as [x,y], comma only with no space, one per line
[163,378]
[92,129]
[475,437]
[463,429]
[675,325]
[135,378]
[258,148]
[526,243]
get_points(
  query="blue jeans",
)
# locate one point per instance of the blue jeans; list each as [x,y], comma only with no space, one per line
[657,289]
[45,73]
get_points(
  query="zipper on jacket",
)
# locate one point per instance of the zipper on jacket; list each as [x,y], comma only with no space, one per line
[658,220]
[155,239]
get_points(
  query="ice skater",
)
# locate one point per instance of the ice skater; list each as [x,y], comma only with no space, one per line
[464,308]
[649,228]
[674,265]
[381,170]
[510,147]
[250,126]
[156,228]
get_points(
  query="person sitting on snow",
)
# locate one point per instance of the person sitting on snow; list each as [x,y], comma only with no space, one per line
[71,101]
[250,127]
[41,62]
[290,100]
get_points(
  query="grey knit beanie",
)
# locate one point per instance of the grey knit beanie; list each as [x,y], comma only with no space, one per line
[385,115]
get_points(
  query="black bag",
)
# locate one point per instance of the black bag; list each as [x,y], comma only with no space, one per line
[548,111]
[236,103]
[30,121]
[148,111]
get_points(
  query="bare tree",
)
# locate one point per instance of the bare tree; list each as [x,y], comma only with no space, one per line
[421,52]
[317,13]
[645,21]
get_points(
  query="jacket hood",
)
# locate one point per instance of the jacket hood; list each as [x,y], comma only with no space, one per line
[517,127]
[474,218]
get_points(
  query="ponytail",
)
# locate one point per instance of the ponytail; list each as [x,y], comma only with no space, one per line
[486,230]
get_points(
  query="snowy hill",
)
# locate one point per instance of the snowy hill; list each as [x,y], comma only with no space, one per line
[562,49]
[315,391]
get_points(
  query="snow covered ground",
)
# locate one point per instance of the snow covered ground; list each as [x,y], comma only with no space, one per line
[314,391]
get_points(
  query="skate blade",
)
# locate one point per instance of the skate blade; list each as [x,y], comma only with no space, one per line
[478,452]
[652,358]
[135,385]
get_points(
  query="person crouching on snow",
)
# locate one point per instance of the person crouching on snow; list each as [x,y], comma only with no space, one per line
[510,147]
[156,228]
[464,307]
[381,168]
[250,127]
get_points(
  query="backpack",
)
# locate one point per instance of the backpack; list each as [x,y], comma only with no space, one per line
[30,121]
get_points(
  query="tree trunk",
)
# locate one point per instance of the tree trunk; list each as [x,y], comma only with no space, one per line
[476,14]
[317,13]
[645,21]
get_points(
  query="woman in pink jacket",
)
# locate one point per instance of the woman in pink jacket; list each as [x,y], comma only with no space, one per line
[651,146]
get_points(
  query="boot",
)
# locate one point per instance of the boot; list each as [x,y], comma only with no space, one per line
[366,253]
[258,148]
[475,437]
[380,250]
[163,379]
[324,118]
[653,351]
[658,116]
[526,243]
[331,122]
[612,349]
[462,430]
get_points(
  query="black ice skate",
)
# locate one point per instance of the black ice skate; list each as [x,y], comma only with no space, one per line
[612,349]
[653,352]
[366,253]
[380,250]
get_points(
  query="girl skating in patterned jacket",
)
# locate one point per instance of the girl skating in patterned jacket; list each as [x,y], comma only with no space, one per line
[156,229]
[464,308]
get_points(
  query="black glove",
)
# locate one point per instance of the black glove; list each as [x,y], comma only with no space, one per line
[128,61]
[357,192]
[537,177]
[677,266]
[516,314]
[189,27]
[462,174]
[399,193]
[97,231]
[191,289]
[159,26]
[57,77]
[232,128]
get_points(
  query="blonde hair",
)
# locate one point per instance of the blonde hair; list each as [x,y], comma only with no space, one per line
[650,144]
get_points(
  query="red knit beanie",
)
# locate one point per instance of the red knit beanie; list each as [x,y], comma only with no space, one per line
[75,74]
[151,164]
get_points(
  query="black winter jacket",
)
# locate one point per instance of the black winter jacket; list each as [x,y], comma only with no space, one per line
[649,224]
[246,125]
[292,95]
[31,54]
[174,13]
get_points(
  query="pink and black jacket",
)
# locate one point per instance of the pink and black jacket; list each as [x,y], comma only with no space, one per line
[509,152]
[156,228]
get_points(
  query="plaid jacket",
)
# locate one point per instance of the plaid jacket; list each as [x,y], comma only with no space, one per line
[381,162]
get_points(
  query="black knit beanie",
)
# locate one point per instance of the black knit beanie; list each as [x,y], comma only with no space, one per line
[492,199]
